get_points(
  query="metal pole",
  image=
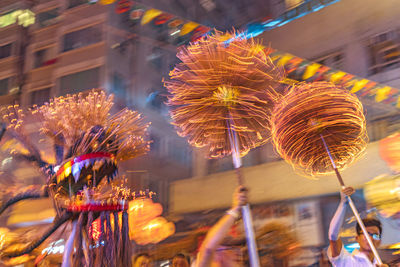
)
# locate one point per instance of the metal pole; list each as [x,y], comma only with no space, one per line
[352,205]
[246,212]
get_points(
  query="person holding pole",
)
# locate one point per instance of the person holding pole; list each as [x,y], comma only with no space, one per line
[211,253]
[364,257]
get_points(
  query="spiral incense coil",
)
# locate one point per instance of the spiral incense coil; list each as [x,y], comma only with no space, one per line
[309,111]
[223,80]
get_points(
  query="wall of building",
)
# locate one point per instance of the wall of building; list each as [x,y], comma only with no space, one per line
[344,26]
[267,183]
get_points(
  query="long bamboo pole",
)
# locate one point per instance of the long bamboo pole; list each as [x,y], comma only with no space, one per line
[352,205]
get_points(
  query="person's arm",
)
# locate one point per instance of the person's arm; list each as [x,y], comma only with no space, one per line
[335,243]
[218,232]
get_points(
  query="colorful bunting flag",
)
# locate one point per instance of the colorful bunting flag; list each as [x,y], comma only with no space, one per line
[149,15]
[182,31]
[188,27]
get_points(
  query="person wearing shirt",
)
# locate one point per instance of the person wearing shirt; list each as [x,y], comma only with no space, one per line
[363,257]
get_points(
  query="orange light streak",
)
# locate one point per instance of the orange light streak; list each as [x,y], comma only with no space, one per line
[216,81]
[309,110]
[73,116]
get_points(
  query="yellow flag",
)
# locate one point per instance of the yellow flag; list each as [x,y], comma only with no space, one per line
[359,85]
[382,93]
[283,60]
[149,15]
[106,2]
[188,27]
[337,76]
[311,70]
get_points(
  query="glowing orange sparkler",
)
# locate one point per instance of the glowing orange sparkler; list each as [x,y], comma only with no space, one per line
[73,117]
[216,83]
[306,112]
[320,128]
[222,94]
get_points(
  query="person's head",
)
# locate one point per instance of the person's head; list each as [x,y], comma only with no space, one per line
[180,260]
[142,260]
[374,229]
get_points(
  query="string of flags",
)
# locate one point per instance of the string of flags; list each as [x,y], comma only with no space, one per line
[300,69]
[178,31]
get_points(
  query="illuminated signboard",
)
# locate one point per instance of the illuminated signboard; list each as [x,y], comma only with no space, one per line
[23,17]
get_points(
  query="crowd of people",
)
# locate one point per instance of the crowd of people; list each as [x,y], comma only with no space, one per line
[213,254]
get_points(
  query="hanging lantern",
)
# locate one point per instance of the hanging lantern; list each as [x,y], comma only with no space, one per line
[143,210]
[389,149]
[153,232]
[146,227]
[384,194]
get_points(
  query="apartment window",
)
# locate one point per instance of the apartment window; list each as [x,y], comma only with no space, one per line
[74,3]
[5,50]
[39,58]
[48,18]
[82,38]
[156,58]
[119,86]
[176,150]
[384,51]
[81,81]
[4,85]
[334,60]
[155,144]
[43,57]
[39,97]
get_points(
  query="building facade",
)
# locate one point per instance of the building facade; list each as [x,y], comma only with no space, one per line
[71,46]
[358,37]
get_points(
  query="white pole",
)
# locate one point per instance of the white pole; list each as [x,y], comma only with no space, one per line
[352,206]
[246,212]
